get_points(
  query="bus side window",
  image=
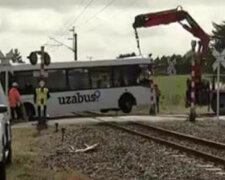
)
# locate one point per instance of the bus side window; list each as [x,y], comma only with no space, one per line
[78,79]
[26,81]
[120,77]
[2,79]
[101,78]
[116,77]
[129,75]
[56,80]
[99,83]
[144,76]
[28,88]
[11,79]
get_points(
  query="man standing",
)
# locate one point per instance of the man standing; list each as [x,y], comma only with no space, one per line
[14,101]
[158,94]
[41,97]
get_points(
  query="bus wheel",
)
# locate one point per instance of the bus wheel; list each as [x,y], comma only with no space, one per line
[104,110]
[30,111]
[126,103]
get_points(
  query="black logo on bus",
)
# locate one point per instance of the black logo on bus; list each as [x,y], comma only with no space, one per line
[79,98]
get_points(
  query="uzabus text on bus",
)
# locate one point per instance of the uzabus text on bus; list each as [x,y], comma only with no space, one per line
[79,98]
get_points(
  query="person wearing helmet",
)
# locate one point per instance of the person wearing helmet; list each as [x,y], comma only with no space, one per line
[14,101]
[41,97]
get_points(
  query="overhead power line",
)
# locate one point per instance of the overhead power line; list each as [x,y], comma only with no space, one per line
[65,27]
[77,17]
[85,8]
[68,22]
[132,3]
[97,13]
[61,43]
[73,21]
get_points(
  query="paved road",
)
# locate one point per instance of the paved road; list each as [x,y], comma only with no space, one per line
[94,120]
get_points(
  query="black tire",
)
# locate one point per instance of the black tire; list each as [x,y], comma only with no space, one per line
[152,111]
[2,170]
[126,104]
[3,166]
[29,111]
[9,157]
[213,104]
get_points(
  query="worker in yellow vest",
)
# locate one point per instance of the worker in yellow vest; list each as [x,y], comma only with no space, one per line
[41,97]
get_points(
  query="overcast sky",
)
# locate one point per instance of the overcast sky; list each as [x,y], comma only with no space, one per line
[104,27]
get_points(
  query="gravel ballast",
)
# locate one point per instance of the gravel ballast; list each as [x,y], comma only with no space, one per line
[181,141]
[208,129]
[119,155]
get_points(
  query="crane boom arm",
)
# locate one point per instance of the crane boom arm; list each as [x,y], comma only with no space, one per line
[171,16]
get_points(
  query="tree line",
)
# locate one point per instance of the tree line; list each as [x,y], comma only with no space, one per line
[183,64]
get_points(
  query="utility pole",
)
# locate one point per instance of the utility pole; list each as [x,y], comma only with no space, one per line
[74,43]
[42,123]
[42,64]
[42,90]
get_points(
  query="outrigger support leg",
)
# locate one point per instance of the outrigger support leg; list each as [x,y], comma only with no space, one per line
[192,115]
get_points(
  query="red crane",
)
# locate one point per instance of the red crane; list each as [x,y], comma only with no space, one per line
[179,15]
[171,16]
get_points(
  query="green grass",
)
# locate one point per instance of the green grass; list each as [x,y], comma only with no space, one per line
[172,91]
[28,148]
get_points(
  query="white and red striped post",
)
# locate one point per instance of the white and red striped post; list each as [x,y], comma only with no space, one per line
[42,125]
[192,115]
[192,98]
[152,109]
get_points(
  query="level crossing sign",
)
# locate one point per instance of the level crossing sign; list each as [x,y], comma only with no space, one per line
[216,66]
[10,55]
[5,58]
[2,56]
[171,68]
[219,59]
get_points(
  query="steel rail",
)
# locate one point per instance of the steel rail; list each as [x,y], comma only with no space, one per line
[183,136]
[206,156]
[197,153]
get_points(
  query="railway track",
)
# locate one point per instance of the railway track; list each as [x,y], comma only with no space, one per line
[154,133]
[146,131]
[182,136]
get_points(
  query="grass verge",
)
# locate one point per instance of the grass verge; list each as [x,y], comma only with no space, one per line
[28,149]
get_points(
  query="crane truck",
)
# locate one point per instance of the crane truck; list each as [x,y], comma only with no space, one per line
[204,95]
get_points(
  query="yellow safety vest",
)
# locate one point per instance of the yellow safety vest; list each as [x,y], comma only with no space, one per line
[41,96]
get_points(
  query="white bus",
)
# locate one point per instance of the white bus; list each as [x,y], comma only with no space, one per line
[84,86]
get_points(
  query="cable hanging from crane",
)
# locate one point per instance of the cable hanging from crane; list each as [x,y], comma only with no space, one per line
[138,42]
